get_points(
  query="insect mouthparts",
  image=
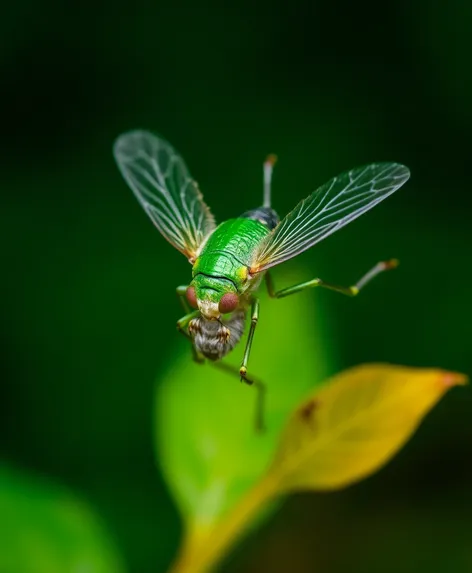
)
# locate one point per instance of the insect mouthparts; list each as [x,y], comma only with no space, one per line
[209,310]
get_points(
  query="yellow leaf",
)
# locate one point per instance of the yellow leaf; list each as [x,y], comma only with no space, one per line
[343,432]
[354,424]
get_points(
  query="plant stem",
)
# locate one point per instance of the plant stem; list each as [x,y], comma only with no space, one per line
[203,547]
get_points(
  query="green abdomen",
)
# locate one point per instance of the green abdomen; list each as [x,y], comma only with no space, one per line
[230,247]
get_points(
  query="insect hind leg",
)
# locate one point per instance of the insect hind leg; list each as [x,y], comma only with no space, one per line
[268,169]
[265,214]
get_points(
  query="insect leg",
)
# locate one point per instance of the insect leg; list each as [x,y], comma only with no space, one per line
[258,385]
[182,324]
[181,292]
[349,291]
[268,169]
[252,329]
[182,327]
[243,370]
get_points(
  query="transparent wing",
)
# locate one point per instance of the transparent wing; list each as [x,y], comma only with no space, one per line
[328,209]
[163,185]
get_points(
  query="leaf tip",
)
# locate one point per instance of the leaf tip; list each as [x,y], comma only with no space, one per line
[450,379]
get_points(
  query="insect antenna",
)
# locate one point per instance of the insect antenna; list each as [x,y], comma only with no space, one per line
[268,169]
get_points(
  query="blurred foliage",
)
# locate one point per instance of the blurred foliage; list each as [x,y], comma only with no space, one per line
[44,529]
[87,290]
[343,432]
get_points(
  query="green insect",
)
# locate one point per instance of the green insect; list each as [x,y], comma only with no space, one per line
[230,260]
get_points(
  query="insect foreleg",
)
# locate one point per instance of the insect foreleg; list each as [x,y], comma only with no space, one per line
[181,292]
[349,291]
[268,169]
[182,324]
[183,329]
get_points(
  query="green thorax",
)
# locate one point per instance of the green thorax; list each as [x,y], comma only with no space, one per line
[229,250]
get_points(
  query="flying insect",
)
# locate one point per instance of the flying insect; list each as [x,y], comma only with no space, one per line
[230,260]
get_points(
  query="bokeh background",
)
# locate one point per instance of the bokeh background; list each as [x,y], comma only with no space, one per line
[88,305]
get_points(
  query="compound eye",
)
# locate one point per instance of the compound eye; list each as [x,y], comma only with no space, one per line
[191,297]
[228,302]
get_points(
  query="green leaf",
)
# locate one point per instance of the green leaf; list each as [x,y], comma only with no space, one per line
[44,529]
[207,446]
[343,432]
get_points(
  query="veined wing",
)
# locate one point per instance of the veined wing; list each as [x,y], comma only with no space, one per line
[163,185]
[327,209]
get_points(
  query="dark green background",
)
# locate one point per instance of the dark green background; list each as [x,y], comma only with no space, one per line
[88,305]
